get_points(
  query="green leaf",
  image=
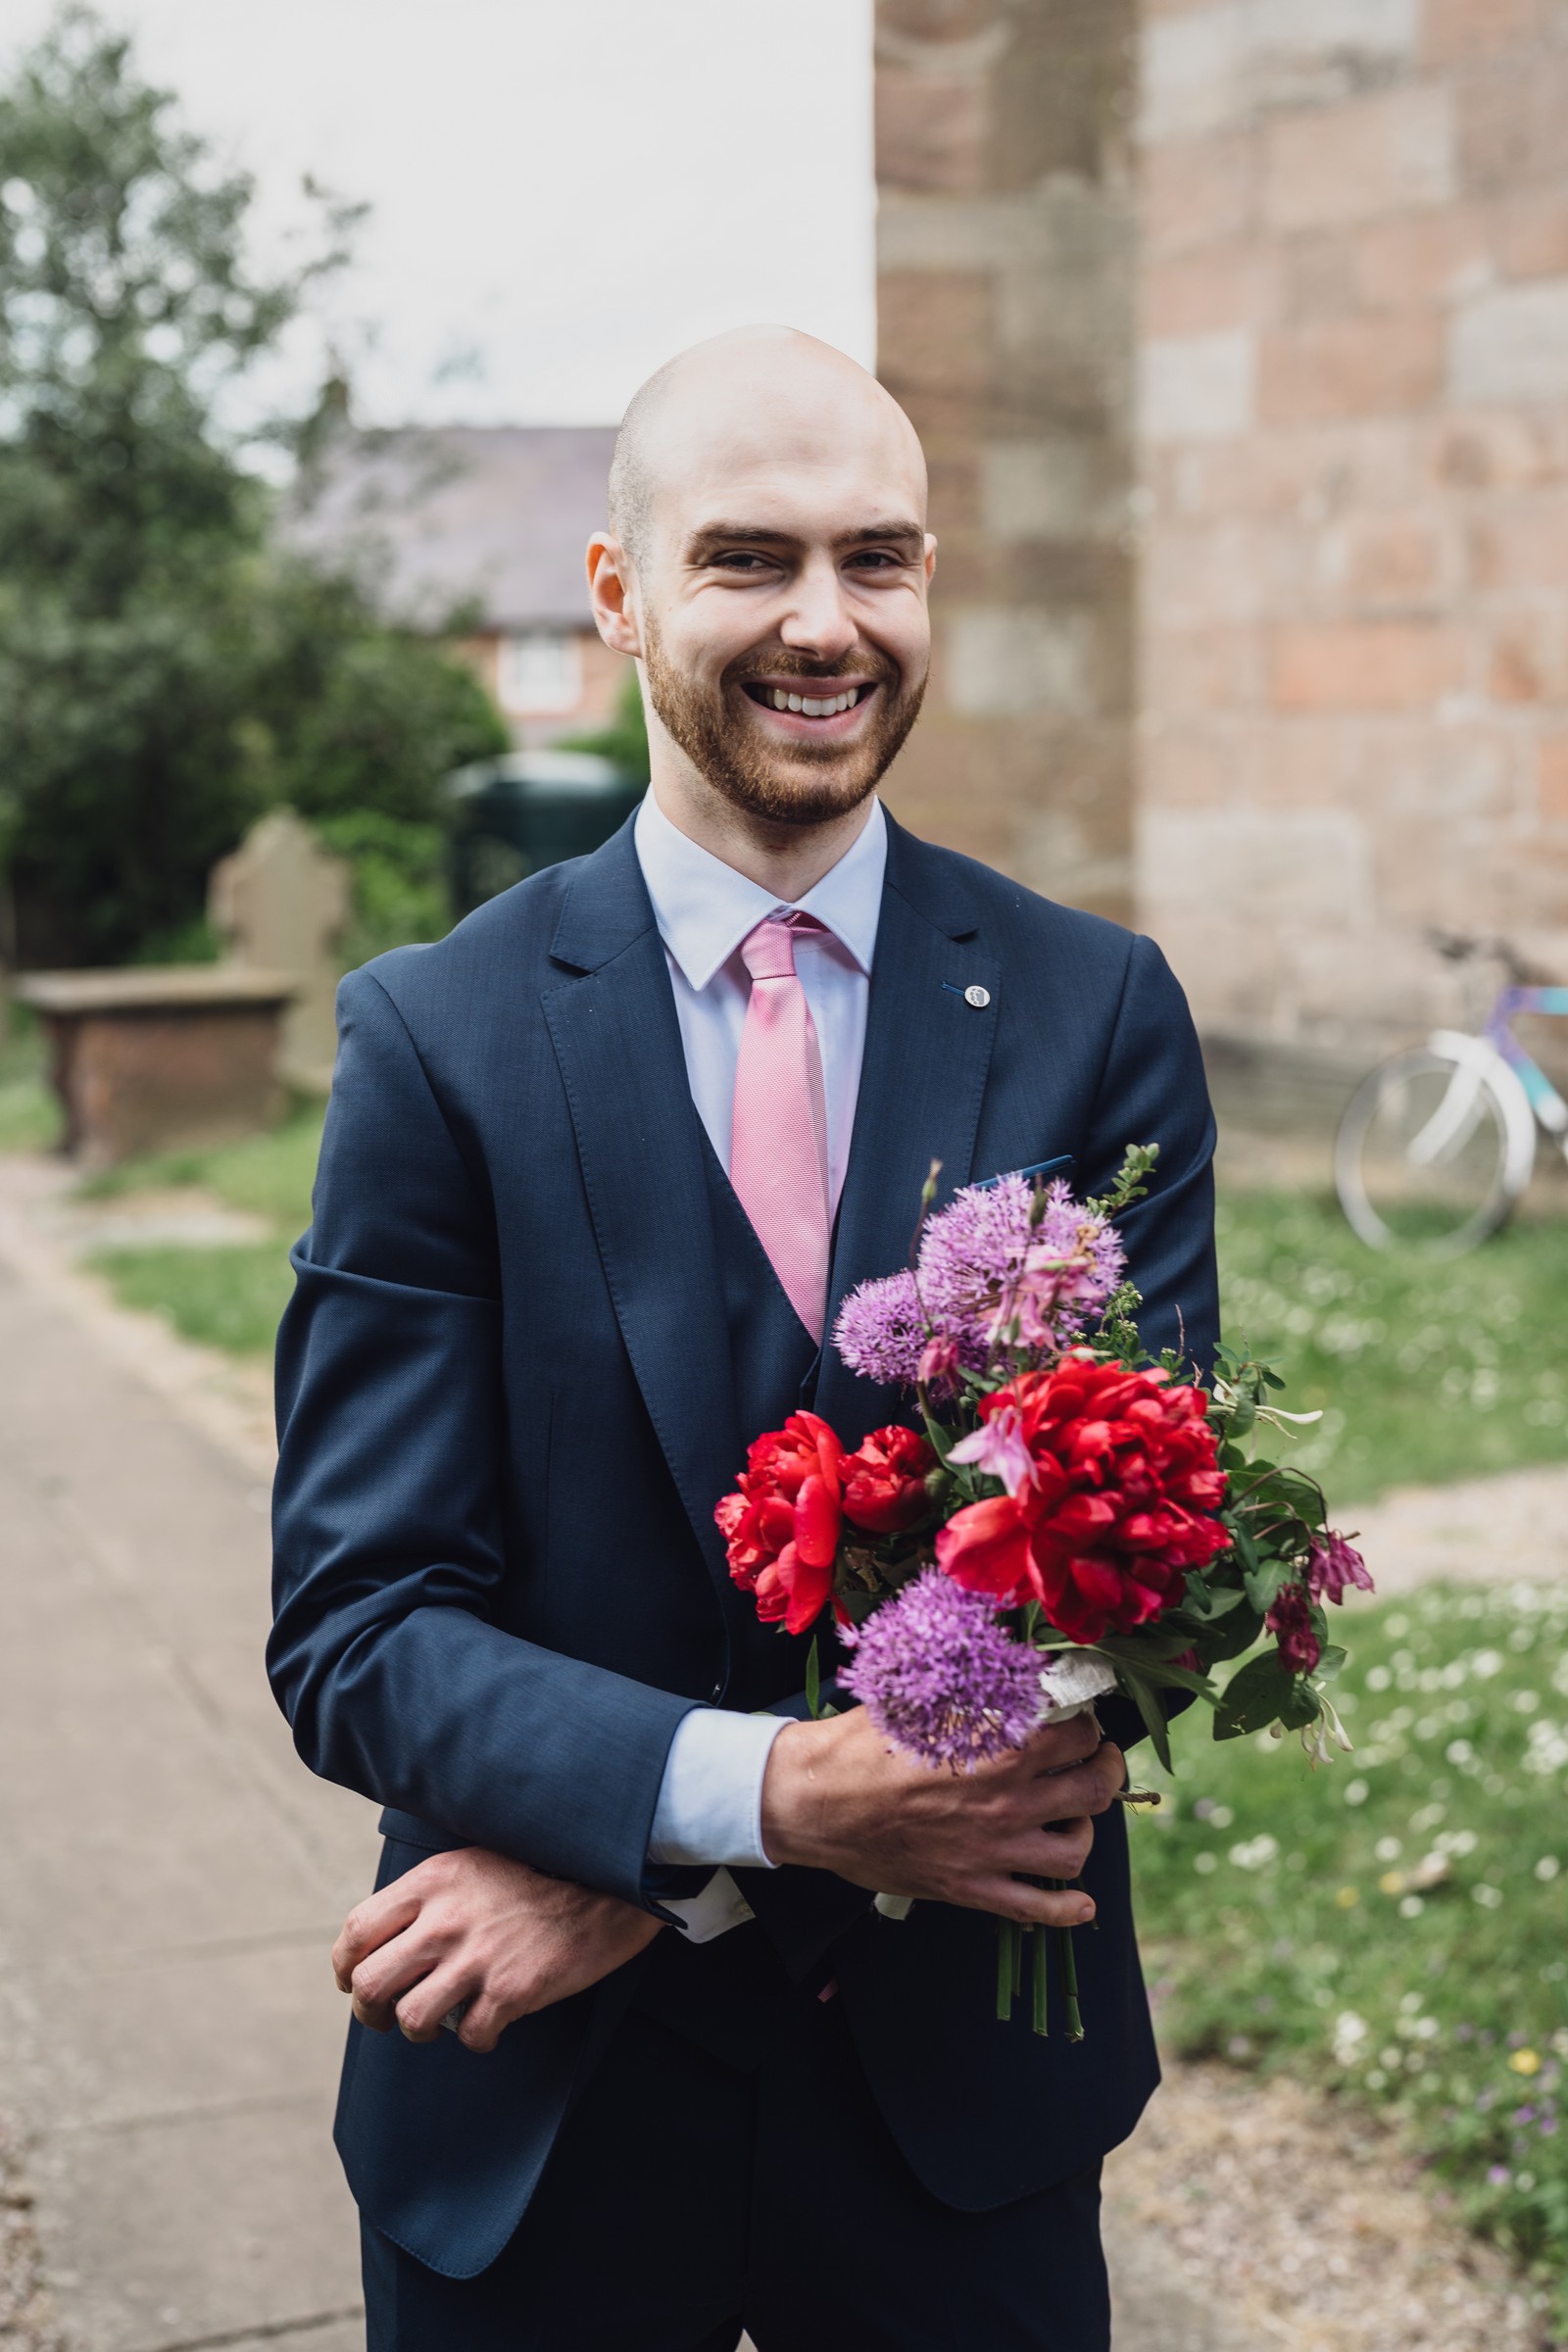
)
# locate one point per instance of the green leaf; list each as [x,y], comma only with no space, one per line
[814,1680]
[1142,1694]
[1236,1632]
[1264,1583]
[1259,1696]
[1330,1663]
[1207,1602]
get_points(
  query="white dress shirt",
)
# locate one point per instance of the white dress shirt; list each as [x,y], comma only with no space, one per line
[711,1802]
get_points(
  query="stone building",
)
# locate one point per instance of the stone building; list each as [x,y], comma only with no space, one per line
[1274,655]
[1006,254]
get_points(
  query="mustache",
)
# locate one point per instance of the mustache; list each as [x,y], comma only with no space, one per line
[782,665]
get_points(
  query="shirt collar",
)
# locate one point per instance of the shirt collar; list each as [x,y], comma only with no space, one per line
[705,908]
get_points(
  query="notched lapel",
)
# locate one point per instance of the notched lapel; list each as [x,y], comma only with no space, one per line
[923,1080]
[617,1042]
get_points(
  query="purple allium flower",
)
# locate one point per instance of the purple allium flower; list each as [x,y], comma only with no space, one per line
[941,1678]
[998,1449]
[1333,1565]
[984,1267]
[1498,2175]
[881,1331]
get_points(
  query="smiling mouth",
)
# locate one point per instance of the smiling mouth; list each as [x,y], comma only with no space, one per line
[796,700]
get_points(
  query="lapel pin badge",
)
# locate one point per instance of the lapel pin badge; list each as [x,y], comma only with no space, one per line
[977,996]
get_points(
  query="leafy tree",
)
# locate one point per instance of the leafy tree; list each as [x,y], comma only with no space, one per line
[166,671]
[625,739]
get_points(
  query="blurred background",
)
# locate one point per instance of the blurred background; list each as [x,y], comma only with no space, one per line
[1236,334]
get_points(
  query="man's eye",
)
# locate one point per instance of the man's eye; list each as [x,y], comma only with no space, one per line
[875,559]
[740,559]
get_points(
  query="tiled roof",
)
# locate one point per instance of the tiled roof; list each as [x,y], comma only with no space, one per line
[495,517]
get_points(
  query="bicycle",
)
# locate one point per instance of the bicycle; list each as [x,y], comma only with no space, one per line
[1437,1145]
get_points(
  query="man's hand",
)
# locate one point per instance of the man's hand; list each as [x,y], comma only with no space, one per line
[471,1926]
[836,1798]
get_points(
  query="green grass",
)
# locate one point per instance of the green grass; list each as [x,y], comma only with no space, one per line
[1395,1927]
[1423,1368]
[230,1297]
[266,1175]
[29,1114]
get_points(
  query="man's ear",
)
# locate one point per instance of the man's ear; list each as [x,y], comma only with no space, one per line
[612,593]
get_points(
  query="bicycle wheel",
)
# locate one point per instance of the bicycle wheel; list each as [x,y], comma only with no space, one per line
[1427,1156]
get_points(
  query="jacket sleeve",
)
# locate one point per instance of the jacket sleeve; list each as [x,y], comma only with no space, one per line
[1153,1089]
[385,1655]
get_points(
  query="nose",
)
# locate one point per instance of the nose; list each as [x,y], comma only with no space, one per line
[818,623]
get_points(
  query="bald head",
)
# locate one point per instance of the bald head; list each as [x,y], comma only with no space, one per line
[754,397]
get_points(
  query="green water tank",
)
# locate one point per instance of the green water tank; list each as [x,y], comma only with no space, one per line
[509,817]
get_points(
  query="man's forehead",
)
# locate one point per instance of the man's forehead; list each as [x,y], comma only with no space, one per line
[815,488]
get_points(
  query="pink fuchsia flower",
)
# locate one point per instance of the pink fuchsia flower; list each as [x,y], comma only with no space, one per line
[999,1449]
[938,1364]
[1333,1565]
[1290,1621]
[940,1678]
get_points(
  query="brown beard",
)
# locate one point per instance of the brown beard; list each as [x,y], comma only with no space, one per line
[735,759]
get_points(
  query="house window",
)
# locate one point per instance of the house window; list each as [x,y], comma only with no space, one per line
[539,673]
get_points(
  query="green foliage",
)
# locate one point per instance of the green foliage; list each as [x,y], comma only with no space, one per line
[625,739]
[166,674]
[401,891]
[29,1114]
[1424,1370]
[1395,1925]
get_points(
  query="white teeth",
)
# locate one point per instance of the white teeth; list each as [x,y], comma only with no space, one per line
[814,706]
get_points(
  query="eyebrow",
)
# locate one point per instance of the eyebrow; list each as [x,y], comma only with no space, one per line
[751,535]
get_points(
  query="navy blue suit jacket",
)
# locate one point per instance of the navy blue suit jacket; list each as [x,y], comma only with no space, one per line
[506,1418]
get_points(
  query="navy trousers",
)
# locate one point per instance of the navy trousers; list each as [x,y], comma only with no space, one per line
[687,2198]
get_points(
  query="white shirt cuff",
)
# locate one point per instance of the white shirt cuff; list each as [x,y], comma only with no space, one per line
[719,1907]
[710,1801]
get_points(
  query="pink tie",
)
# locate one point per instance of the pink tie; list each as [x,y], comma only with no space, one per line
[779,1143]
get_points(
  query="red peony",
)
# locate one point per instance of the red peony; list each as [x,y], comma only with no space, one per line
[884,1481]
[782,1529]
[1113,1484]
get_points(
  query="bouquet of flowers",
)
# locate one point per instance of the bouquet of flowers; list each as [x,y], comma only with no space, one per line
[1069,1519]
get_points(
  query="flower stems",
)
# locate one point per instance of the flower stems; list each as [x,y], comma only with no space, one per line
[1009,1965]
[1010,1935]
[1069,1983]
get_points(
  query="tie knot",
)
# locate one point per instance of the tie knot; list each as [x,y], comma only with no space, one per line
[768,951]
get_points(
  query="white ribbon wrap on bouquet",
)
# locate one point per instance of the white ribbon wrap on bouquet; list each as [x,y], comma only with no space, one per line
[1070,1681]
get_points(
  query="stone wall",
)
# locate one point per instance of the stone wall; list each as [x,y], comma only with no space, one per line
[1005,328]
[1353,288]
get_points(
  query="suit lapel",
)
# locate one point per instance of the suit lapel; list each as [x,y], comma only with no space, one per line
[617,1042]
[924,1079]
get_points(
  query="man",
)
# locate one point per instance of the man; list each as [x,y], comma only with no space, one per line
[597,1170]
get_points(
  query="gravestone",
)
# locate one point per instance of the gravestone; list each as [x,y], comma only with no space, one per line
[279,904]
[161,1058]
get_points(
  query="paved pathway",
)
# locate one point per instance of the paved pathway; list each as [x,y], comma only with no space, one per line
[169,2028]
